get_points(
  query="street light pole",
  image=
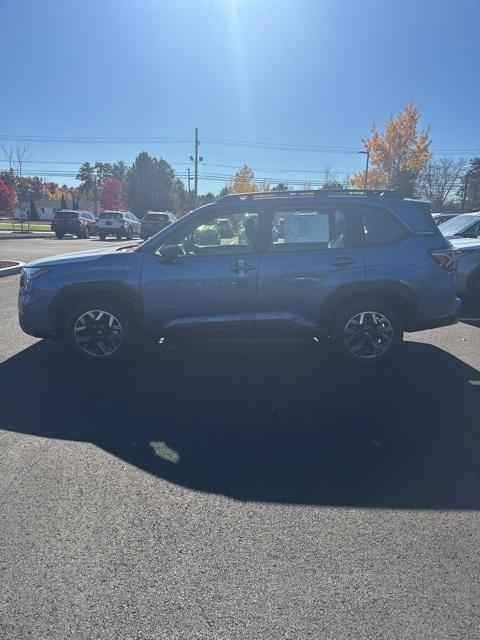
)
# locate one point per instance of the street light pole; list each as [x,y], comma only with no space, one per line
[465,186]
[365,182]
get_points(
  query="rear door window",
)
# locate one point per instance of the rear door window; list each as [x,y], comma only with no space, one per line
[379,226]
[304,230]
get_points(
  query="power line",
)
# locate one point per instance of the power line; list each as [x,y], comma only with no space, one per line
[279,146]
[93,140]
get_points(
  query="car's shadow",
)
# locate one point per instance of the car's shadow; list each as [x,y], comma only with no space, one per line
[267,421]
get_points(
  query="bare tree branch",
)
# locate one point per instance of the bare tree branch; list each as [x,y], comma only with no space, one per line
[438,179]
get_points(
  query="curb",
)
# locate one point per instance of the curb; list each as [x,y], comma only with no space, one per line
[10,271]
[26,236]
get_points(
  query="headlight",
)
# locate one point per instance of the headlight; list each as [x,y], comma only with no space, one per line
[30,273]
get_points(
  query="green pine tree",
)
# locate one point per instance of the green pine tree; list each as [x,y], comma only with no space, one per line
[33,211]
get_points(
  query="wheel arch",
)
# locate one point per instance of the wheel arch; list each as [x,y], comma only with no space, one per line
[74,294]
[396,295]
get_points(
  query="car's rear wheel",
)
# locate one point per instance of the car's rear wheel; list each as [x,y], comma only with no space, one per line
[119,235]
[366,333]
[59,235]
[86,232]
[100,330]
[129,235]
[102,236]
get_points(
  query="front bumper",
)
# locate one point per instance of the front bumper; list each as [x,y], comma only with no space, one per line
[33,305]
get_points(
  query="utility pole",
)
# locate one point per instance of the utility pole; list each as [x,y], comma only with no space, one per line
[365,182]
[188,179]
[465,186]
[196,159]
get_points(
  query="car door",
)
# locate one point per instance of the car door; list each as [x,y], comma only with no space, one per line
[210,288]
[473,231]
[310,257]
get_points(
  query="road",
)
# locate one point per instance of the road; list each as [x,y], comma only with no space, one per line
[237,490]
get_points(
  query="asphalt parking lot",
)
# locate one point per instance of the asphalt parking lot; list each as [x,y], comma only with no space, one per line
[237,489]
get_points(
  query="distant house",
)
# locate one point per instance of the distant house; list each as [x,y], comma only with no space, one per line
[48,208]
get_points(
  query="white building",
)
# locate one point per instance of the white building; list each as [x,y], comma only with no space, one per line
[47,208]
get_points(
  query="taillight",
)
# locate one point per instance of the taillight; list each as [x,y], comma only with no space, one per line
[447,258]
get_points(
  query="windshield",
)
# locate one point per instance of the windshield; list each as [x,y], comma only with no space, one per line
[110,215]
[156,217]
[458,224]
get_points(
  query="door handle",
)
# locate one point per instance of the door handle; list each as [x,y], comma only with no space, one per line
[241,265]
[343,261]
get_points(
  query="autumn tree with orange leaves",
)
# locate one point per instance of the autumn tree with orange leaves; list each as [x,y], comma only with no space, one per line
[397,155]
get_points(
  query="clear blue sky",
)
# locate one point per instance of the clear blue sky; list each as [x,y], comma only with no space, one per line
[299,72]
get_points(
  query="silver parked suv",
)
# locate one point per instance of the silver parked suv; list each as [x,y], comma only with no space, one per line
[121,224]
[362,267]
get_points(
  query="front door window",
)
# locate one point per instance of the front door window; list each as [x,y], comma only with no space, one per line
[223,234]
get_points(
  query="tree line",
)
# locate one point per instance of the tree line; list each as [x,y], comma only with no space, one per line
[400,158]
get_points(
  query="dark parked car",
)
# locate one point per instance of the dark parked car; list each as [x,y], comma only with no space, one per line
[360,267]
[155,221]
[82,224]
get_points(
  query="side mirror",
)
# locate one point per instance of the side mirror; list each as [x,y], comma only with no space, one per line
[170,252]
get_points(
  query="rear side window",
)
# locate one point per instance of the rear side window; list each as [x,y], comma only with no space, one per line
[157,217]
[110,216]
[378,227]
[66,215]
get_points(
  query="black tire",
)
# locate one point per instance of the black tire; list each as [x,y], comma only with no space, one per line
[369,345]
[59,235]
[126,320]
[86,233]
[119,235]
[102,236]
[129,235]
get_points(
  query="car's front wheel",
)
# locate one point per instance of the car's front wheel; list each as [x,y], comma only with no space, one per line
[59,235]
[99,330]
[366,333]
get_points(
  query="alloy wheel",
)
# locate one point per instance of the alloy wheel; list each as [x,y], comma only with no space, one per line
[368,334]
[98,333]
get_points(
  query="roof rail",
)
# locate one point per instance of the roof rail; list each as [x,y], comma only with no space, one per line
[260,195]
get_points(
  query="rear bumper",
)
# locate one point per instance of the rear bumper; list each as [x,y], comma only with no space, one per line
[63,229]
[112,230]
[435,323]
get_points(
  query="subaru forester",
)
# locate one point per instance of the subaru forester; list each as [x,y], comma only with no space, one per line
[361,267]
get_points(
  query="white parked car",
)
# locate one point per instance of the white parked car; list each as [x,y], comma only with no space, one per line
[121,224]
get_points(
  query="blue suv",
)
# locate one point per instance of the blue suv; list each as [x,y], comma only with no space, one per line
[360,266]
